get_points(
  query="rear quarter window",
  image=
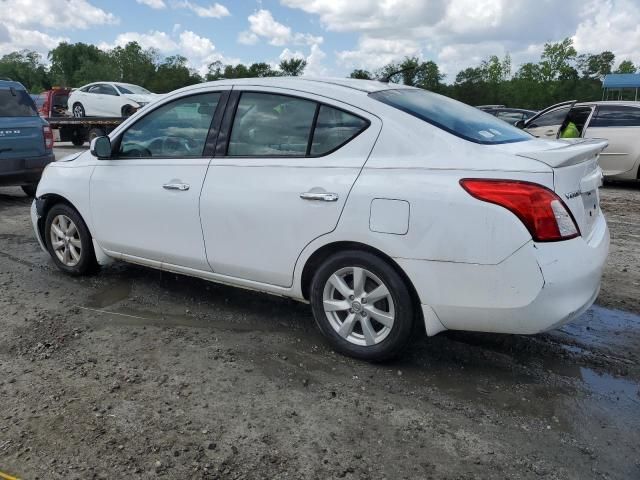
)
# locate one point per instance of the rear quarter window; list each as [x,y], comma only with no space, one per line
[452,116]
[16,103]
[616,116]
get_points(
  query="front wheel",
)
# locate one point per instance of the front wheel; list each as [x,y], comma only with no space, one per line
[362,305]
[69,241]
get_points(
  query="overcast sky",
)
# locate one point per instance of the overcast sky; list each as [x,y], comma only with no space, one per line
[335,36]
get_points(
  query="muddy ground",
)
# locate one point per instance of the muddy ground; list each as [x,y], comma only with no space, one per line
[137,374]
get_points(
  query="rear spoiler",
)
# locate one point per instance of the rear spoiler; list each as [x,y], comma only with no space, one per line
[571,153]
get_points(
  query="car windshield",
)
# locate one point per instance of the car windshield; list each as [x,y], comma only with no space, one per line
[452,116]
[16,103]
[132,90]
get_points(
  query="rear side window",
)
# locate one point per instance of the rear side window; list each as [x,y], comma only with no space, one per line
[452,116]
[16,103]
[334,128]
[266,124]
[616,116]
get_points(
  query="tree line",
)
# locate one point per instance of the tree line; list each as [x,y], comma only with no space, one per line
[560,74]
[74,65]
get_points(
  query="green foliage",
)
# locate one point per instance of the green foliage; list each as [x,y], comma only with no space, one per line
[293,67]
[626,66]
[25,67]
[561,74]
[361,74]
[172,74]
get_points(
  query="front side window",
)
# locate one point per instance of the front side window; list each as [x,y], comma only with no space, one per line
[452,116]
[334,128]
[267,124]
[551,119]
[16,103]
[177,129]
[616,116]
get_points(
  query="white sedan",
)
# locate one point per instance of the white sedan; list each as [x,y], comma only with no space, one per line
[385,207]
[109,99]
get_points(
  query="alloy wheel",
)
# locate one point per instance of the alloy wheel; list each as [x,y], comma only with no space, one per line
[65,241]
[359,306]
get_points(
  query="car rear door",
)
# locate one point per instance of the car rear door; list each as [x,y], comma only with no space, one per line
[21,134]
[620,126]
[144,200]
[285,163]
[547,123]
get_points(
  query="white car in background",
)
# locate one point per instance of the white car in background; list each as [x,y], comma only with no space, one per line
[109,99]
[618,122]
[385,207]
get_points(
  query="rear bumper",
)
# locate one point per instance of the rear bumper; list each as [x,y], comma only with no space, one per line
[23,171]
[538,288]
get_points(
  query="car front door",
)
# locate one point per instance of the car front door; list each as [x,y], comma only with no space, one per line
[547,122]
[144,200]
[620,125]
[283,169]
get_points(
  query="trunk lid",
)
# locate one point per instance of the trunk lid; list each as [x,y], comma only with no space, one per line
[21,137]
[576,175]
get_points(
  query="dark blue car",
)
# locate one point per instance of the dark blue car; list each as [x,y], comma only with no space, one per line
[26,141]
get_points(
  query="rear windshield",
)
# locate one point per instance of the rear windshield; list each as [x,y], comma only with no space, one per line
[452,116]
[16,103]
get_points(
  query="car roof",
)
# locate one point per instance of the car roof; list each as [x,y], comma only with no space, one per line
[630,103]
[309,83]
[11,84]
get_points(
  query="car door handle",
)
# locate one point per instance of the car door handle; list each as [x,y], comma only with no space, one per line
[320,197]
[176,186]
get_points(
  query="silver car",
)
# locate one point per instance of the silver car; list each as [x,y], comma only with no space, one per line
[617,122]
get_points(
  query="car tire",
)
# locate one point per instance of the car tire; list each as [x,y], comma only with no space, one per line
[78,110]
[127,111]
[354,322]
[78,140]
[30,190]
[95,133]
[69,241]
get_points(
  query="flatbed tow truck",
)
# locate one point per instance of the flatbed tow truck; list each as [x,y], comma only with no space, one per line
[52,106]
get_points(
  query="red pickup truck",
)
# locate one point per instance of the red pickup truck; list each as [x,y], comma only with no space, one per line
[52,106]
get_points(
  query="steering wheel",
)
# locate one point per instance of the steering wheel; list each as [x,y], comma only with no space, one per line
[178,144]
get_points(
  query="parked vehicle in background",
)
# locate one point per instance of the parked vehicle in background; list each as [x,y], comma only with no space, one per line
[509,115]
[108,99]
[53,108]
[617,122]
[386,207]
[26,141]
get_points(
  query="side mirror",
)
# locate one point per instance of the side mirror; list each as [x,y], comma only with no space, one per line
[520,124]
[101,147]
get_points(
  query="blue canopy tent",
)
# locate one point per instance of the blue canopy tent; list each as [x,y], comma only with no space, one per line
[617,82]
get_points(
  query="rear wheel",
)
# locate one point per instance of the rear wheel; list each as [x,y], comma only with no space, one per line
[362,305]
[95,133]
[78,110]
[69,241]
[30,190]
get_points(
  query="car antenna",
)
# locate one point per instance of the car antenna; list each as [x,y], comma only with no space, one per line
[392,74]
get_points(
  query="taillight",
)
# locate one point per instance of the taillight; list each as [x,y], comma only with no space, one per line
[543,213]
[48,137]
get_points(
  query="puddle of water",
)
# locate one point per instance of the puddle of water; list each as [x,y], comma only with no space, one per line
[110,295]
[610,386]
[601,326]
